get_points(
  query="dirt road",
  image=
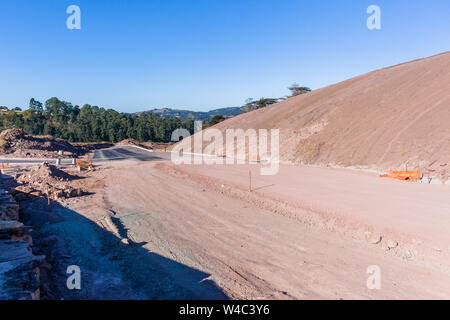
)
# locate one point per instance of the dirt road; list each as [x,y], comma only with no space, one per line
[415,215]
[248,251]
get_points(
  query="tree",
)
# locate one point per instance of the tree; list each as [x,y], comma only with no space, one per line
[216,119]
[258,104]
[297,90]
[53,106]
[90,123]
[36,105]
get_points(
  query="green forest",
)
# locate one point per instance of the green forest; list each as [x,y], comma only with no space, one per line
[61,119]
[89,123]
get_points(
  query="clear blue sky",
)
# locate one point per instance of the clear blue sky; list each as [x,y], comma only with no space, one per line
[134,55]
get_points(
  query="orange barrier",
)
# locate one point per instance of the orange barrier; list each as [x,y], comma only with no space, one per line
[403,175]
[4,165]
[82,163]
[252,158]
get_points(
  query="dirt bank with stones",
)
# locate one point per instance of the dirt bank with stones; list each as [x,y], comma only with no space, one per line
[14,143]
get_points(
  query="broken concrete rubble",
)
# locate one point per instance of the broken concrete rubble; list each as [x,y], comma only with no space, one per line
[46,180]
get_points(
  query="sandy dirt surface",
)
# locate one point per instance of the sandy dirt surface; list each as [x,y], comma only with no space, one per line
[361,205]
[84,232]
[206,232]
[392,118]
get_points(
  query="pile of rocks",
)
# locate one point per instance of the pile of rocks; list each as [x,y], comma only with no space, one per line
[28,192]
[19,268]
[46,180]
[15,143]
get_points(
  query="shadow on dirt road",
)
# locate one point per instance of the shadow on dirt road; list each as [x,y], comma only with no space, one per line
[110,269]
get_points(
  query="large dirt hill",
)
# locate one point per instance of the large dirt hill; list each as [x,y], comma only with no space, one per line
[391,118]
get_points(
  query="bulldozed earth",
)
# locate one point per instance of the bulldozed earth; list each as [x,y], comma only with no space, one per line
[156,230]
[396,118]
[14,143]
[46,180]
[197,232]
[144,228]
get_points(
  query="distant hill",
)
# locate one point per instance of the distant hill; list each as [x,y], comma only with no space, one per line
[196,115]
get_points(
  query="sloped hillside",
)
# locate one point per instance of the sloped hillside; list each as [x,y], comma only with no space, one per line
[391,118]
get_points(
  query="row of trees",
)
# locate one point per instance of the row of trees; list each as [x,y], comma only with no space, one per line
[90,123]
[295,89]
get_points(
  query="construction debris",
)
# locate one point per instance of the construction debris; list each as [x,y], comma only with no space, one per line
[15,143]
[47,180]
[84,164]
[46,173]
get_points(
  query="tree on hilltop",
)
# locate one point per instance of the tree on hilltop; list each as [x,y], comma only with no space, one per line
[36,105]
[258,104]
[297,90]
[216,119]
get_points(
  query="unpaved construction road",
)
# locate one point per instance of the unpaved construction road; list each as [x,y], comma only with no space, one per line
[207,232]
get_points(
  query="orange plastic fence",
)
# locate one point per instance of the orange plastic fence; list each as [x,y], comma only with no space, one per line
[402,175]
[84,163]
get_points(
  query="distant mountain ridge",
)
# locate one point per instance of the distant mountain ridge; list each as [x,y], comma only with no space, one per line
[196,115]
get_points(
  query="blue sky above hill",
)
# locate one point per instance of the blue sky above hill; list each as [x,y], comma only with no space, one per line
[202,54]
